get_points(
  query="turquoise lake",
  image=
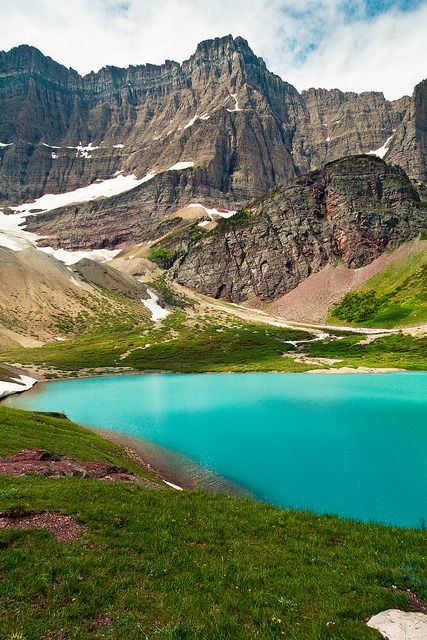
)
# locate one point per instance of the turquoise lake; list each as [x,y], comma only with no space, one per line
[353,445]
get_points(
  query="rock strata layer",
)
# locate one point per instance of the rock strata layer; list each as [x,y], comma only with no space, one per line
[244,127]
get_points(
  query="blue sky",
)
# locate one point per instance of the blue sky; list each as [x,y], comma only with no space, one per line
[350,44]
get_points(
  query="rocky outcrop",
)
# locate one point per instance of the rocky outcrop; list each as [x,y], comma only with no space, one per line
[350,212]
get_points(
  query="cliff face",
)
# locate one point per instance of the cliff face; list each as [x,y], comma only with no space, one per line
[245,129]
[409,148]
[221,109]
[351,211]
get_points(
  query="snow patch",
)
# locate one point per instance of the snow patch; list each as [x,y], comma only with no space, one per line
[50,146]
[152,304]
[5,144]
[204,116]
[328,139]
[105,188]
[12,235]
[213,212]
[236,103]
[76,282]
[204,223]
[22,383]
[181,165]
[71,257]
[382,150]
[118,146]
[174,486]
[84,151]
[54,156]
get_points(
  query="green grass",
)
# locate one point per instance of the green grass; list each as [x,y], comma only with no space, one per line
[395,297]
[54,432]
[395,351]
[205,345]
[189,565]
[211,345]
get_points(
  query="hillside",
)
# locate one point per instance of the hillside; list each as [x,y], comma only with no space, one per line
[43,299]
[397,296]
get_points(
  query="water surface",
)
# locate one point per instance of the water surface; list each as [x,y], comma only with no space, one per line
[354,445]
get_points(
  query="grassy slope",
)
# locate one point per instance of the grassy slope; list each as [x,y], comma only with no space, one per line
[400,297]
[172,565]
[54,432]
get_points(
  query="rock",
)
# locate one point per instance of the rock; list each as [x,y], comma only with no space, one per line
[351,211]
[245,129]
[400,625]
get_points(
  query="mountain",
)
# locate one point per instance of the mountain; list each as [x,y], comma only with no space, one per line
[242,129]
[349,212]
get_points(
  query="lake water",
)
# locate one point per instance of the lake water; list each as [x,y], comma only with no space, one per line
[354,445]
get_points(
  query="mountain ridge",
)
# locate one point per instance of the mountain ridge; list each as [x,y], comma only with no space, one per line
[258,130]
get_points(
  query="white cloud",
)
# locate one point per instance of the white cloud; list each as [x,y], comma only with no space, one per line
[307,42]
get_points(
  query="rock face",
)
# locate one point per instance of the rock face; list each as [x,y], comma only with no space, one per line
[351,211]
[245,129]
[409,148]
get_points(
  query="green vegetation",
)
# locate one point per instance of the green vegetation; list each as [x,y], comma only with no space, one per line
[238,220]
[202,343]
[190,565]
[393,351]
[178,344]
[162,256]
[171,298]
[54,432]
[395,297]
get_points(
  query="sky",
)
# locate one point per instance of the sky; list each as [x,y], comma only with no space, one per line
[354,45]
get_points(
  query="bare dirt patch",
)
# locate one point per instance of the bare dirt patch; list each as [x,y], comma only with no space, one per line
[64,528]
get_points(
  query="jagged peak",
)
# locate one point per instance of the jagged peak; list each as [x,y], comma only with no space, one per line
[222,47]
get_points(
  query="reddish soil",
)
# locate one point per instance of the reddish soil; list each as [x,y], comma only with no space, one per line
[48,464]
[64,528]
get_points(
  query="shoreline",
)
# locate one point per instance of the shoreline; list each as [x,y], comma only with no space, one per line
[41,380]
[170,467]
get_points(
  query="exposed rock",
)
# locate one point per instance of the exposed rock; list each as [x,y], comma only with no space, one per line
[400,625]
[64,528]
[351,211]
[45,463]
[409,148]
[111,279]
[245,129]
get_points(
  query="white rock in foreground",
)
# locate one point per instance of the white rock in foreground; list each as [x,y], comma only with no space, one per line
[23,383]
[394,624]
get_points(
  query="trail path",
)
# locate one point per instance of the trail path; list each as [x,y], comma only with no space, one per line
[254,315]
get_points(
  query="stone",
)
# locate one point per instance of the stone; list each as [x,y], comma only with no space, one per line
[394,624]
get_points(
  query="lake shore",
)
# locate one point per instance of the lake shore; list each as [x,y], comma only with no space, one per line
[170,467]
